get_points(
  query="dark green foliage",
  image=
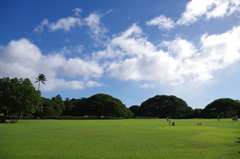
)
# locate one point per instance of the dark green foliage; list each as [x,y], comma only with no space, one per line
[135,109]
[224,107]
[106,105]
[196,113]
[60,104]
[51,108]
[79,108]
[18,96]
[68,104]
[101,105]
[164,106]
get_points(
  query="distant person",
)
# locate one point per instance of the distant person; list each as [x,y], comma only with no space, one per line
[173,124]
[167,119]
[218,118]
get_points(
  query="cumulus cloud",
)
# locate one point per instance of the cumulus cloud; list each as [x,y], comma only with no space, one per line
[129,43]
[162,22]
[182,62]
[22,58]
[197,9]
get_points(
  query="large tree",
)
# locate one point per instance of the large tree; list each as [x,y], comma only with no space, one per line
[51,107]
[135,109]
[164,106]
[40,79]
[225,107]
[68,107]
[103,105]
[18,96]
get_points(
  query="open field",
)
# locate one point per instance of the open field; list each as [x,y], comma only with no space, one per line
[125,138]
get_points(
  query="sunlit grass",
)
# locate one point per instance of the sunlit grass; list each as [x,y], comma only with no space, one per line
[126,138]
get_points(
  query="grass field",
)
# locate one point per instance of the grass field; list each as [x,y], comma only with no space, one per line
[125,139]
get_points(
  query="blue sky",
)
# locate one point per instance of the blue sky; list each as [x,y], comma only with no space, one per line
[130,49]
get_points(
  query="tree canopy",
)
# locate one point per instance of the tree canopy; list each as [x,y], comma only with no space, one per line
[225,107]
[18,96]
[51,108]
[164,106]
[102,105]
[135,109]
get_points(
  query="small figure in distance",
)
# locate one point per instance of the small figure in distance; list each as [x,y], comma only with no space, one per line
[167,119]
[218,118]
[173,124]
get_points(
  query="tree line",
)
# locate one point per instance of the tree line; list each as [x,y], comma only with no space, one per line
[19,98]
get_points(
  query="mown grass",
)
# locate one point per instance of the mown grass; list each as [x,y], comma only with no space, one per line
[125,138]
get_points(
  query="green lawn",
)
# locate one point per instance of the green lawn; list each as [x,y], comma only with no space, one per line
[125,138]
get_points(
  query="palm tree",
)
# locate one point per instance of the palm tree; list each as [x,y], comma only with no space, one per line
[41,78]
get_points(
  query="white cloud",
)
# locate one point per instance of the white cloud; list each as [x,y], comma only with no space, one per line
[97,30]
[180,48]
[78,49]
[197,9]
[94,84]
[129,43]
[183,62]
[39,28]
[77,11]
[146,85]
[162,22]
[68,50]
[75,67]
[63,23]
[24,59]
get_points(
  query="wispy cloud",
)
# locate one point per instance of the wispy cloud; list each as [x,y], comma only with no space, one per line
[162,22]
[39,28]
[199,9]
[77,11]
[146,85]
[63,23]
[196,9]
[97,29]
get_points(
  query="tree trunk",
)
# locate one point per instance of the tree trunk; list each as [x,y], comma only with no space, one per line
[38,85]
[225,113]
[21,115]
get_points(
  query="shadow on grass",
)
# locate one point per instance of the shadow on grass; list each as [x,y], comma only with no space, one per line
[239,143]
[239,140]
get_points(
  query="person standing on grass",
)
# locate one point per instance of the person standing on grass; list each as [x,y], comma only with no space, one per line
[167,119]
[218,118]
